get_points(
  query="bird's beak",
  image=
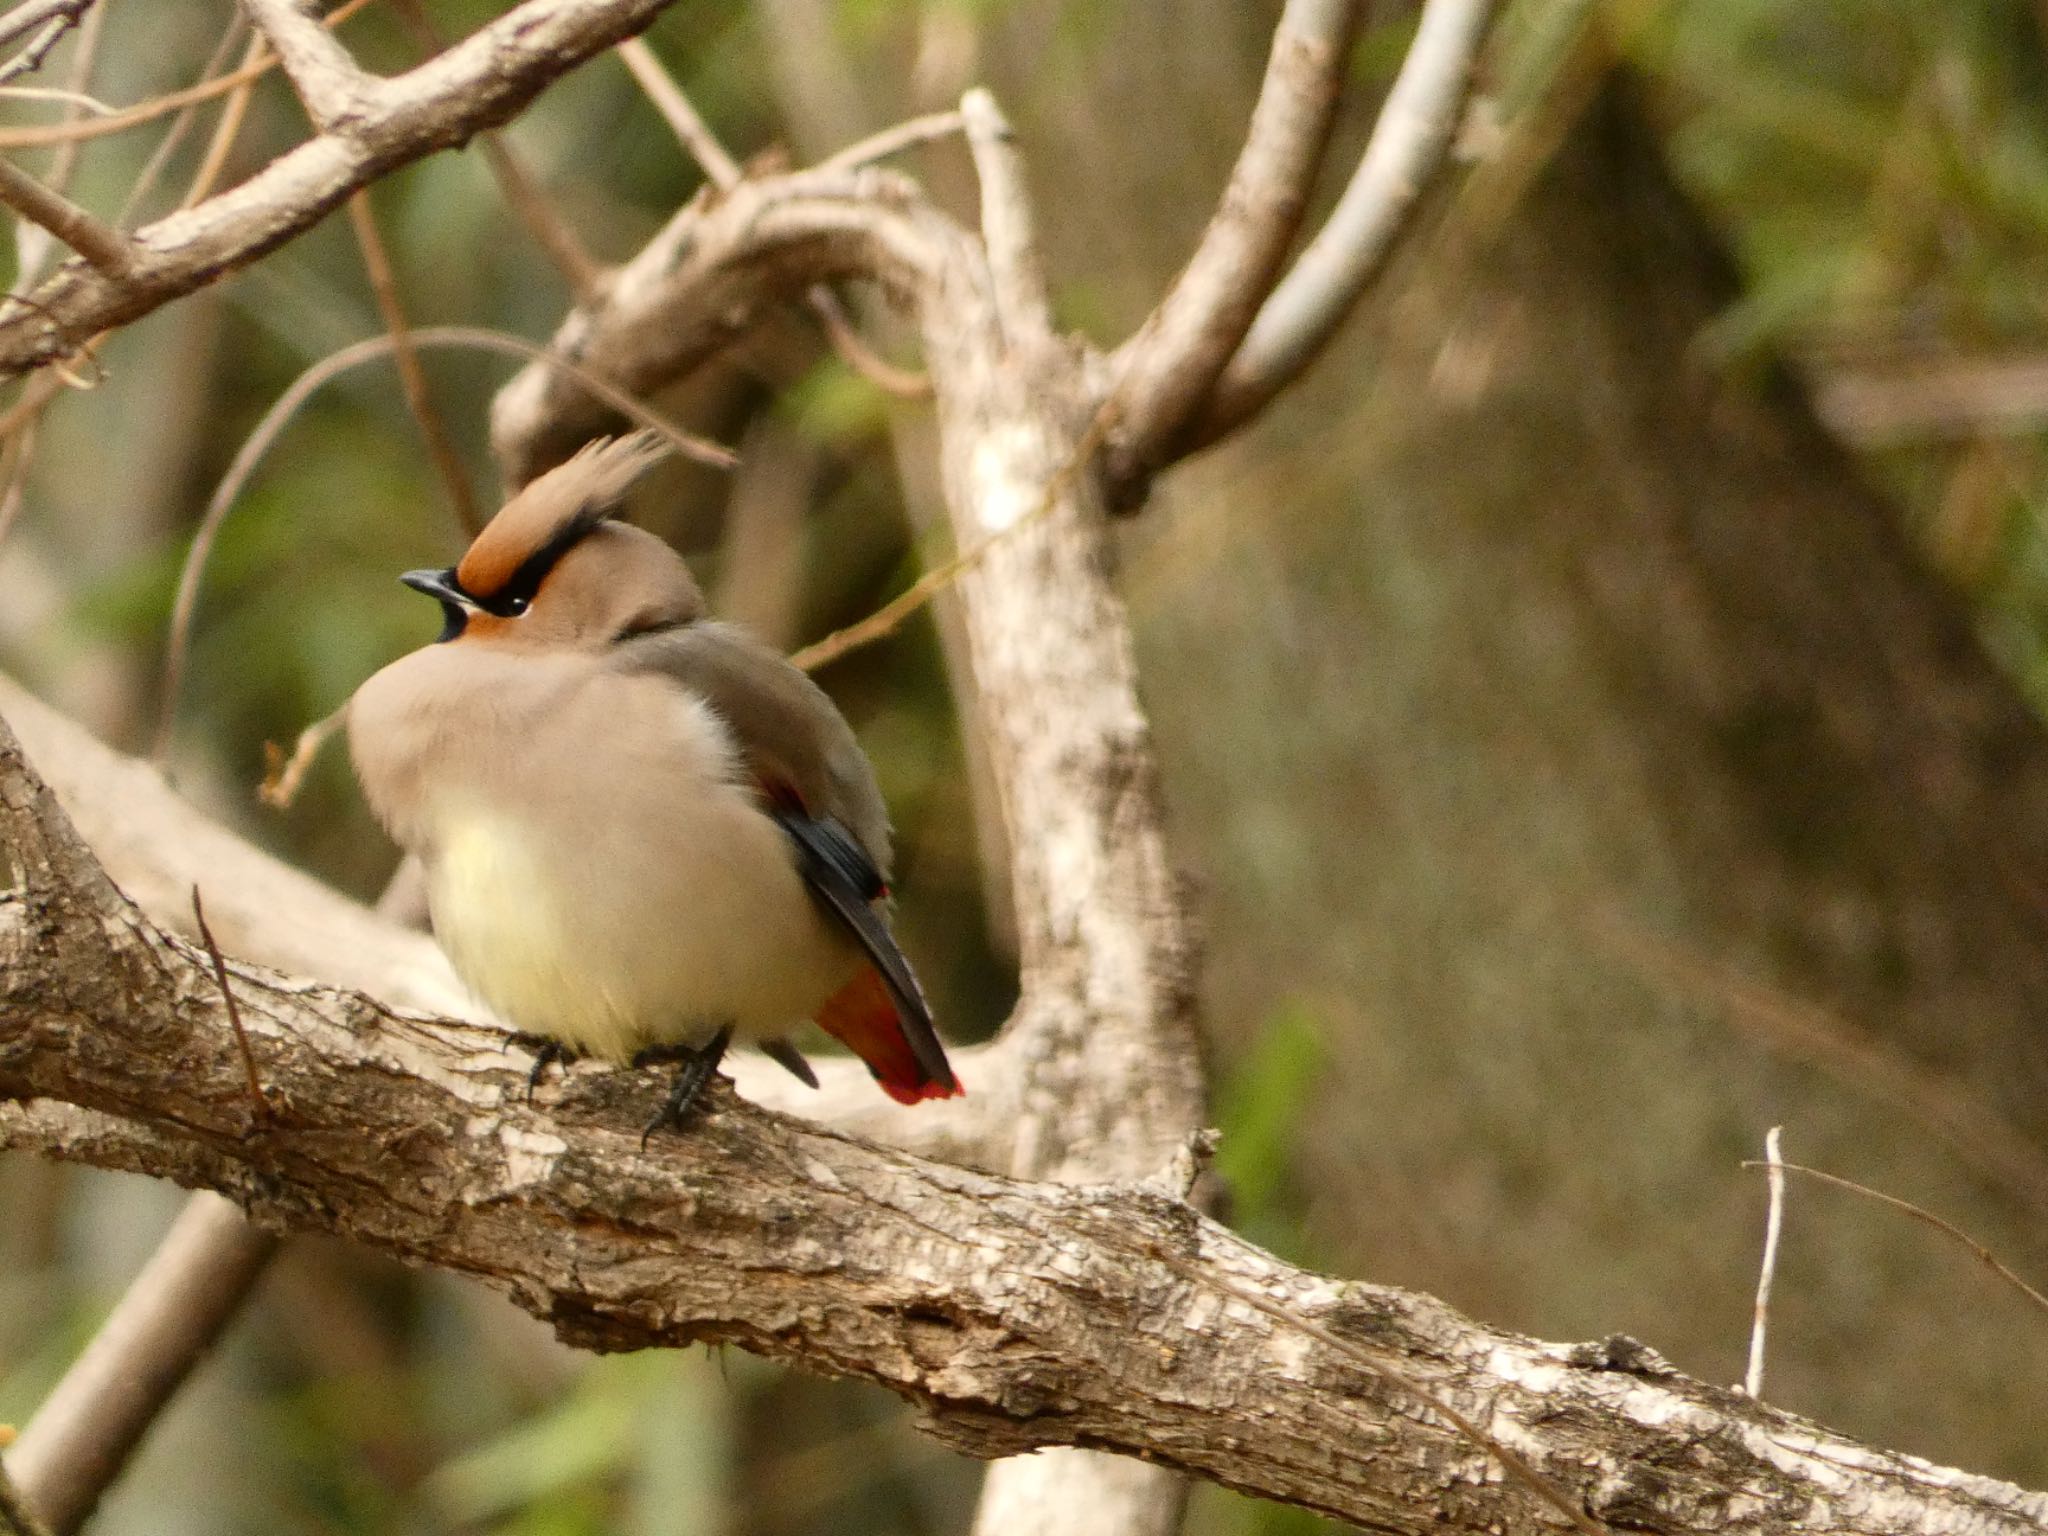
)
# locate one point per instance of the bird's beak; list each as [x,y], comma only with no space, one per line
[440,585]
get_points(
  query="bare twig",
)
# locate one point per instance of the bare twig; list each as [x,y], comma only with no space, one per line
[52,93]
[111,252]
[335,91]
[557,241]
[1410,144]
[285,774]
[412,377]
[852,347]
[887,619]
[54,17]
[302,388]
[894,141]
[229,128]
[258,1102]
[477,84]
[166,1321]
[583,272]
[158,106]
[1984,1255]
[1167,370]
[683,120]
[1760,1317]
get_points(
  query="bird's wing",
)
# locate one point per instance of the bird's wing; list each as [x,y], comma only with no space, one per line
[816,783]
[792,736]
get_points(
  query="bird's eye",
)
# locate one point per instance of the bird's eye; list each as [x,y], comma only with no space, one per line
[516,606]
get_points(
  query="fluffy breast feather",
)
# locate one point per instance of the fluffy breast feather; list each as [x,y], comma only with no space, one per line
[599,872]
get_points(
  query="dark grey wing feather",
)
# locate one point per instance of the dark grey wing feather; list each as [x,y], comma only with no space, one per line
[792,736]
[791,1060]
[815,782]
[847,882]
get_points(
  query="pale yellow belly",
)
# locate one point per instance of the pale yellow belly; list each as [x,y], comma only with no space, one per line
[651,925]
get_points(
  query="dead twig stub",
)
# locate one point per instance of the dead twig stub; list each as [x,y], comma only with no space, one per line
[258,1102]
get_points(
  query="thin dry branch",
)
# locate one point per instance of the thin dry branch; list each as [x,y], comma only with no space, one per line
[683,119]
[548,229]
[1767,1271]
[477,84]
[1410,145]
[907,135]
[1948,1229]
[110,252]
[1167,370]
[59,94]
[412,377]
[49,20]
[158,106]
[1014,1315]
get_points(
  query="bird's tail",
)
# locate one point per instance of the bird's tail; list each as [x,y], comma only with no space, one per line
[862,1016]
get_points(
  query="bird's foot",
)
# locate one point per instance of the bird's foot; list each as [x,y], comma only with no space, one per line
[694,1065]
[545,1053]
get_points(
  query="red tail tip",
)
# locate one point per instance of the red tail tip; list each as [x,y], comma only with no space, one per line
[917,1094]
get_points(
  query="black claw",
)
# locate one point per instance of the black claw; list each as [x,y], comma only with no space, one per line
[695,1066]
[548,1052]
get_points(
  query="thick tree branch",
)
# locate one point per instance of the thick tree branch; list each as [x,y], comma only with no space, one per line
[1166,370]
[336,93]
[1014,1315]
[479,83]
[708,278]
[1410,144]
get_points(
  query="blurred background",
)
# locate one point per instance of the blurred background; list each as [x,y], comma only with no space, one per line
[1598,705]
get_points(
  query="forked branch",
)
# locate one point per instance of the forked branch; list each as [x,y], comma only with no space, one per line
[1165,372]
[477,84]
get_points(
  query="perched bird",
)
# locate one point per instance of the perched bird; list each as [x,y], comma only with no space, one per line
[645,834]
